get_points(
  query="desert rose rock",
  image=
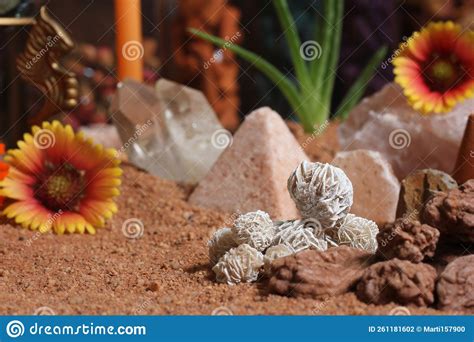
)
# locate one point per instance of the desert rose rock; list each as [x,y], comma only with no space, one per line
[398,281]
[407,240]
[417,188]
[171,131]
[376,188]
[385,122]
[452,213]
[251,174]
[316,274]
[356,232]
[321,192]
[220,243]
[455,286]
[240,264]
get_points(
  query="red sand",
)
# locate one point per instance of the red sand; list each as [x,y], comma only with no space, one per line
[166,271]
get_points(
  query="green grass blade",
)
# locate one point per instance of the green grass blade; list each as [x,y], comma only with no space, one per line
[284,84]
[333,60]
[319,66]
[357,90]
[294,43]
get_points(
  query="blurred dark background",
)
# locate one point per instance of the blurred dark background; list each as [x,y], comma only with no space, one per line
[233,89]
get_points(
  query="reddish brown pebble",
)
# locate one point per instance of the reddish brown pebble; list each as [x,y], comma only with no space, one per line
[376,188]
[407,240]
[452,213]
[464,169]
[456,285]
[417,188]
[316,274]
[153,286]
[252,173]
[398,281]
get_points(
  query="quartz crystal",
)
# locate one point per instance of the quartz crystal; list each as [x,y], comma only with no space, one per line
[169,131]
[386,123]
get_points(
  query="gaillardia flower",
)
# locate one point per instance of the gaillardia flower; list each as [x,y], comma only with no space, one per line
[60,180]
[435,67]
[3,168]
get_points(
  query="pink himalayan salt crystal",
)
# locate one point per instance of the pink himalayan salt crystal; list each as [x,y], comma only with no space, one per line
[376,189]
[385,122]
[252,173]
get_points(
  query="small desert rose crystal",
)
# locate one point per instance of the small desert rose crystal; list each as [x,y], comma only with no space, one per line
[298,236]
[318,274]
[275,252]
[455,286]
[322,192]
[240,264]
[255,229]
[376,188]
[407,240]
[417,188]
[221,242]
[251,173]
[385,122]
[356,232]
[399,281]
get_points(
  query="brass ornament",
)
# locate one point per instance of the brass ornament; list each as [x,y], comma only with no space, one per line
[39,64]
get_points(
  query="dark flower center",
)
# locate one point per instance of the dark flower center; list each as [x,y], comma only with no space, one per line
[60,187]
[443,73]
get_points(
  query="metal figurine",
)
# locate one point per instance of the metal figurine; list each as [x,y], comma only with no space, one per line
[39,64]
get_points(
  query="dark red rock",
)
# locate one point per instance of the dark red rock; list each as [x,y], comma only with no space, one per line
[398,281]
[317,274]
[455,287]
[407,240]
[452,213]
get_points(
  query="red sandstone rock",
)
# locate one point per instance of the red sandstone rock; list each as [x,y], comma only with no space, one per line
[317,274]
[376,188]
[398,281]
[455,287]
[252,173]
[452,213]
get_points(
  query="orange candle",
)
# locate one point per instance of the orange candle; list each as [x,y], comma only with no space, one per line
[128,27]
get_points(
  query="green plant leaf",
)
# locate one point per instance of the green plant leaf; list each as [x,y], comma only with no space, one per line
[325,33]
[334,50]
[358,88]
[293,40]
[284,84]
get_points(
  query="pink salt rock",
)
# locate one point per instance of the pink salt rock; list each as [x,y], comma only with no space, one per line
[385,122]
[252,173]
[376,188]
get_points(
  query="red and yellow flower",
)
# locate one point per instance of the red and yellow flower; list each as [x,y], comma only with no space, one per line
[435,67]
[3,169]
[60,181]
